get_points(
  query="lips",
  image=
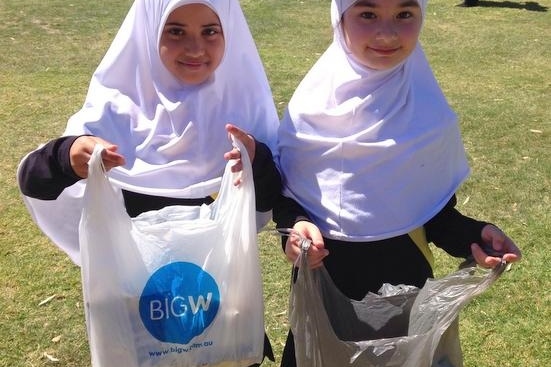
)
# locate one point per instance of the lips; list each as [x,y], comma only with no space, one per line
[192,63]
[385,51]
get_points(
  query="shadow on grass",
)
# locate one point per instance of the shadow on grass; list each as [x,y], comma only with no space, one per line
[528,5]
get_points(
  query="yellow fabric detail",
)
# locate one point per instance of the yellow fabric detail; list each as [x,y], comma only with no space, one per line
[419,236]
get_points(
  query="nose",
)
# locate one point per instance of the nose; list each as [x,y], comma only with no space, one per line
[387,31]
[193,46]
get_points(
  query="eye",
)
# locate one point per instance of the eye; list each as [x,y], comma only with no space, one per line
[405,15]
[175,32]
[368,15]
[211,31]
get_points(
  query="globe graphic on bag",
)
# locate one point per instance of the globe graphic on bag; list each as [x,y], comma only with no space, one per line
[179,301]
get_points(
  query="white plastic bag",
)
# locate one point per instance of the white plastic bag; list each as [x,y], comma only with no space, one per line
[401,326]
[176,287]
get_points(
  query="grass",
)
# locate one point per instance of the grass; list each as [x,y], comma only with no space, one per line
[492,62]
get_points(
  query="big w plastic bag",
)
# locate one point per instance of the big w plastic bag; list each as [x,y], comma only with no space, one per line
[400,326]
[176,287]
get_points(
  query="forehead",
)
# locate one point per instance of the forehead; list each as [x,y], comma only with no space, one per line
[169,6]
[386,3]
[340,6]
[195,13]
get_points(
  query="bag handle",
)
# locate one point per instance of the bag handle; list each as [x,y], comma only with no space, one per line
[99,187]
[95,163]
[245,177]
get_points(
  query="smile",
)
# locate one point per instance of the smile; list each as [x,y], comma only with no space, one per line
[385,51]
[192,64]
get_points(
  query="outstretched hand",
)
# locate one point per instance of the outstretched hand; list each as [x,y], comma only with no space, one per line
[82,149]
[496,247]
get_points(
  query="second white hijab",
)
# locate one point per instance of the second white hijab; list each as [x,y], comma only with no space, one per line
[369,154]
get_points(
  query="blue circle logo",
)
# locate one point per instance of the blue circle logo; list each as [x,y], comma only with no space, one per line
[179,301]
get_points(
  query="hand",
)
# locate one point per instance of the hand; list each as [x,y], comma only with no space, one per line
[496,246]
[82,149]
[316,252]
[249,143]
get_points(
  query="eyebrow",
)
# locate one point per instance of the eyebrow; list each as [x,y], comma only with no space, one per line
[185,25]
[404,4]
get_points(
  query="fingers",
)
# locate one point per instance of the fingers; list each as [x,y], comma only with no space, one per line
[247,140]
[81,150]
[292,251]
[316,256]
[236,132]
[316,252]
[111,158]
[482,258]
[233,154]
[496,247]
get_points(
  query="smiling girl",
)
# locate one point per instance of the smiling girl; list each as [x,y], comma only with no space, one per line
[178,77]
[371,158]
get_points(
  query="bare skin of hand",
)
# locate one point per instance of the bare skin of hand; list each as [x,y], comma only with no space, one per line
[317,251]
[82,149]
[497,242]
[249,143]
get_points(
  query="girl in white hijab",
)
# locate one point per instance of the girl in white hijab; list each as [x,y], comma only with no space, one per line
[178,77]
[371,157]
[162,116]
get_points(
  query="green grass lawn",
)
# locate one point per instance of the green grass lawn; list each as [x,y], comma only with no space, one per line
[493,62]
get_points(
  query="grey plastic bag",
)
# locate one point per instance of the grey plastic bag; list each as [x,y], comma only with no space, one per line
[400,326]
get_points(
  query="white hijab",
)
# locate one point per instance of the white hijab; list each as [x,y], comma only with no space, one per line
[369,154]
[171,135]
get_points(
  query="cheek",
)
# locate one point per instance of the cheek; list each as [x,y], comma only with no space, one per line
[163,54]
[410,34]
[356,36]
[217,52]
[167,54]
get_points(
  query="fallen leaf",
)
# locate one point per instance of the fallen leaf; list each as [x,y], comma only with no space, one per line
[50,357]
[47,300]
[56,339]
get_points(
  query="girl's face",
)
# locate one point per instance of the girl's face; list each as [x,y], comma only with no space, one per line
[382,33]
[192,43]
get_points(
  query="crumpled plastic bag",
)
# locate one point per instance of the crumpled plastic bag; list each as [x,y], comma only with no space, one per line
[400,326]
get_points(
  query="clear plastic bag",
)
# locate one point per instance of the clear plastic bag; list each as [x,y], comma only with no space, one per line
[400,326]
[176,287]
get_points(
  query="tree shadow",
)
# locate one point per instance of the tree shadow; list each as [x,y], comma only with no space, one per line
[528,5]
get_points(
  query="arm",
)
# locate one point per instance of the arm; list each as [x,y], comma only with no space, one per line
[454,232]
[287,212]
[266,177]
[462,236]
[47,171]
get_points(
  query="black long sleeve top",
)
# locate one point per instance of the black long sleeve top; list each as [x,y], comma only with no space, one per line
[361,267]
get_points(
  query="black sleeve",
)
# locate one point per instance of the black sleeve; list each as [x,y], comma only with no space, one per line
[287,212]
[266,177]
[47,171]
[453,232]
